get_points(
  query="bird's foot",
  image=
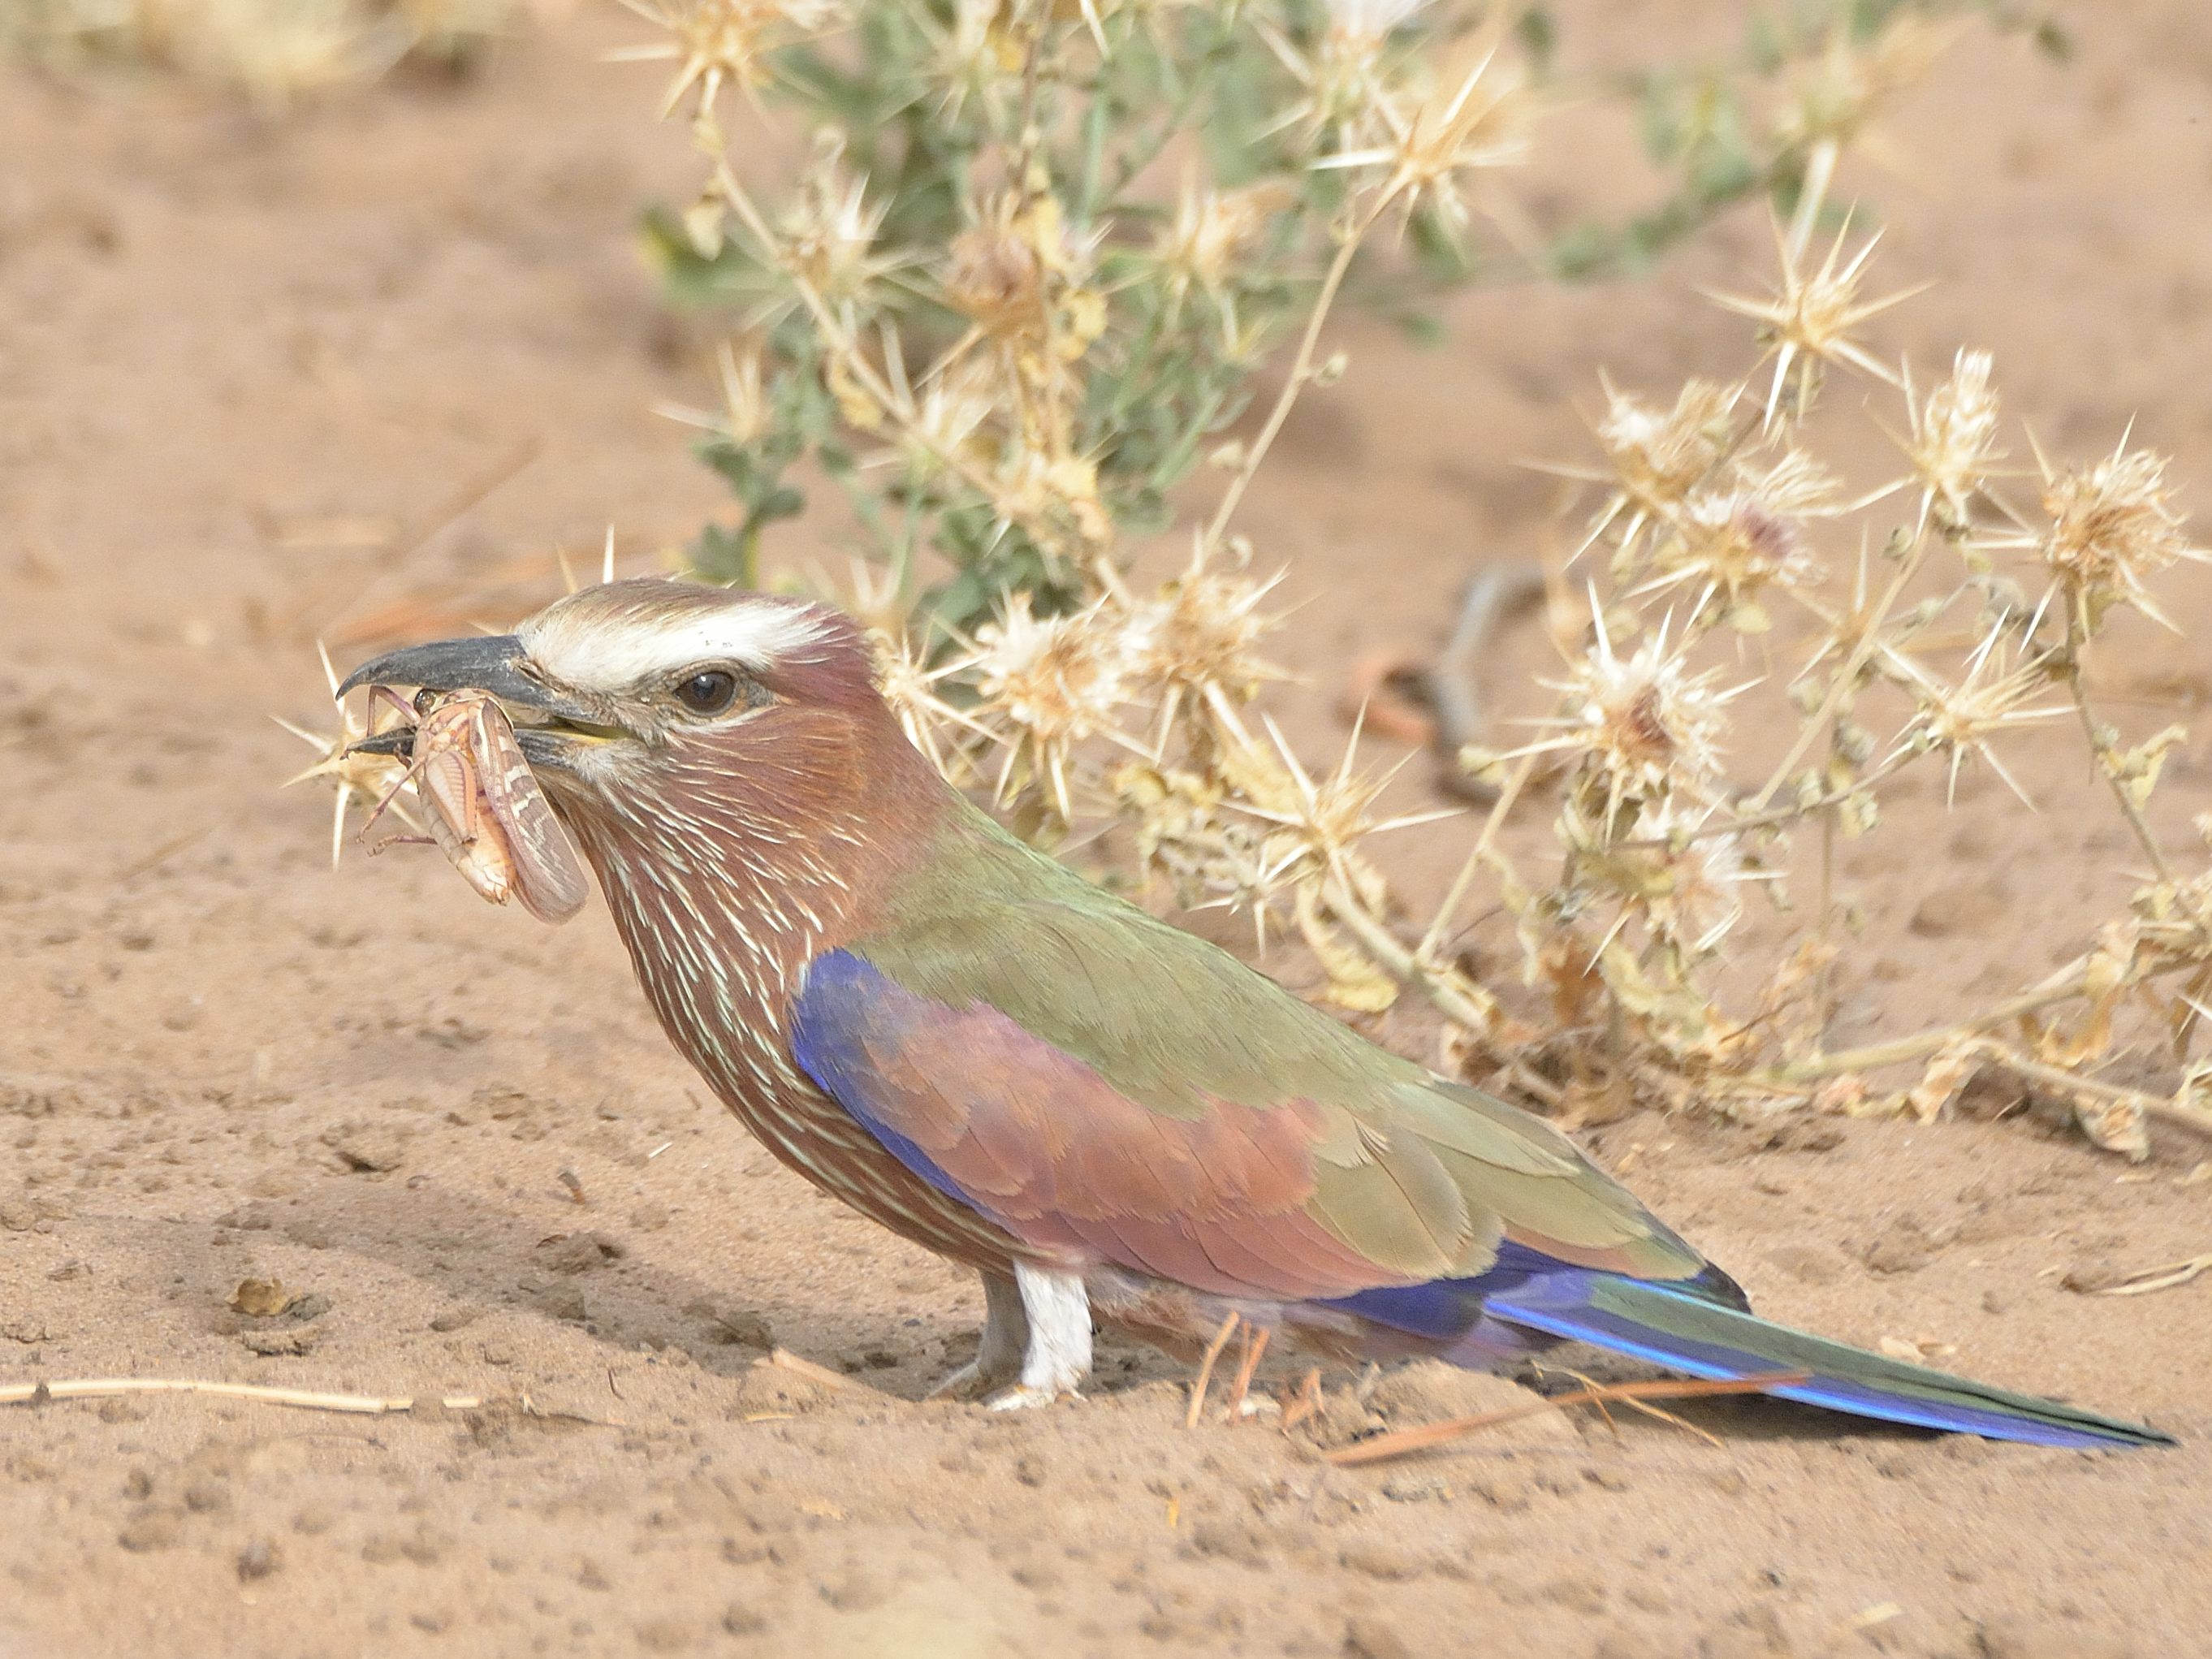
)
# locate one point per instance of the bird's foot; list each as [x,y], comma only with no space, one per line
[1024,1396]
[998,1351]
[1057,1357]
[971,1381]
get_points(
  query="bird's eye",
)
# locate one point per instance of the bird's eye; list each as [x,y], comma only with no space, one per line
[710,691]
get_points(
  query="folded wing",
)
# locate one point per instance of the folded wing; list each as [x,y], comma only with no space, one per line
[1099,1083]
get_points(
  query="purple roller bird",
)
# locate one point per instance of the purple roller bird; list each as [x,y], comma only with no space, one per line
[1107,1117]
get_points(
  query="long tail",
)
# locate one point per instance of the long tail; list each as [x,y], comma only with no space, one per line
[1684,1331]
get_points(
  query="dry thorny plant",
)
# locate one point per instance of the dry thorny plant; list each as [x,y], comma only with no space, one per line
[273,51]
[964,338]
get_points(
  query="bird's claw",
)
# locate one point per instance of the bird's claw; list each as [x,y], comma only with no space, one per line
[1026,1396]
[970,1382]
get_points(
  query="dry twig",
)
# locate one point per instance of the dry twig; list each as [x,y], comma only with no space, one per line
[1404,1442]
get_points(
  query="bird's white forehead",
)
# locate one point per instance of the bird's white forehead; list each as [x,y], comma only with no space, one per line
[613,648]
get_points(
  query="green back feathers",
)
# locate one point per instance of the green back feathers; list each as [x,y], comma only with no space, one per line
[1420,1175]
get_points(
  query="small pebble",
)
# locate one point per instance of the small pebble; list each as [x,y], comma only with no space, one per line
[2013,1637]
[153,1530]
[1370,1636]
[207,1497]
[855,1590]
[666,1635]
[739,1619]
[1392,1563]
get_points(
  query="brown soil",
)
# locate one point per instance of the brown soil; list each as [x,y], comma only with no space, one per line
[223,1061]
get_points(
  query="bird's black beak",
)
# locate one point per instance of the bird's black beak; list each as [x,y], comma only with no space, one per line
[496,664]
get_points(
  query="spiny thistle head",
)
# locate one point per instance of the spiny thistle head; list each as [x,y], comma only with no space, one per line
[829,233]
[271,50]
[1686,886]
[1180,832]
[1731,542]
[1952,440]
[1320,823]
[951,419]
[1639,726]
[972,56]
[367,779]
[1200,635]
[909,685]
[1473,116]
[745,414]
[1700,881]
[1814,317]
[1835,95]
[1205,246]
[1960,722]
[1344,88]
[725,43]
[1040,485]
[2113,527]
[1018,271]
[1049,682]
[1658,456]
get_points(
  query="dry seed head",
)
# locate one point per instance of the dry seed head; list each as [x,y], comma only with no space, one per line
[950,420]
[994,278]
[1199,637]
[1815,315]
[1959,721]
[1641,724]
[2112,528]
[1051,682]
[974,56]
[1953,442]
[1213,231]
[1474,116]
[1006,273]
[724,43]
[1035,486]
[1344,87]
[830,235]
[272,50]
[1835,95]
[1211,861]
[1059,677]
[1321,820]
[1688,888]
[365,778]
[745,412]
[1731,544]
[1658,456]
[934,725]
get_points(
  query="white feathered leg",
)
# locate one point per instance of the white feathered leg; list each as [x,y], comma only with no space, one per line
[998,1353]
[1058,1357]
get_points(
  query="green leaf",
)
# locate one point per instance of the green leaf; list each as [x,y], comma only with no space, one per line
[1540,37]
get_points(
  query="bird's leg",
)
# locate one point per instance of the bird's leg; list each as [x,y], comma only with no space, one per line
[1006,1334]
[1058,1356]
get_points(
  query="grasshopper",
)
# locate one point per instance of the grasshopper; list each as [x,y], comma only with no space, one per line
[486,812]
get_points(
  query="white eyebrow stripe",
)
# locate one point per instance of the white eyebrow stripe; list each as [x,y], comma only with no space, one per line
[603,652]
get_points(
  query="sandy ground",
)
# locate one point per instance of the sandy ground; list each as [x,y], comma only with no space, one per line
[419,312]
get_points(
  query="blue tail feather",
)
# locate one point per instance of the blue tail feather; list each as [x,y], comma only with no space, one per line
[1692,1334]
[1703,1327]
